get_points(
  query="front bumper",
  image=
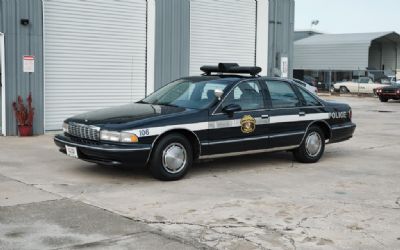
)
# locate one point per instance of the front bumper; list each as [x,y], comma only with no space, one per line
[342,132]
[389,95]
[105,154]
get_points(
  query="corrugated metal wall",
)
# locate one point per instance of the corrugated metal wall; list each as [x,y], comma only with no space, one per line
[172,41]
[281,33]
[375,56]
[222,31]
[389,55]
[93,59]
[19,41]
[331,57]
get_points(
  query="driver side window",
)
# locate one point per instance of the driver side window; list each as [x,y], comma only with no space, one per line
[247,95]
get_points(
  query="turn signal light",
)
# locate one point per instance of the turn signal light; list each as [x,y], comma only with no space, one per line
[134,139]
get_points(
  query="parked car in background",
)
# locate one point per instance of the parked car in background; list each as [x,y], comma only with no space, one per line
[306,85]
[389,92]
[392,79]
[363,85]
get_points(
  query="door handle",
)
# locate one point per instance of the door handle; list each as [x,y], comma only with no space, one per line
[302,114]
[264,116]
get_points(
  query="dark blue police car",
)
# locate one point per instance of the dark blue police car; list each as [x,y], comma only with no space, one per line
[227,111]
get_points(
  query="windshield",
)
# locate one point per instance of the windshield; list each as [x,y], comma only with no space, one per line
[187,94]
[363,80]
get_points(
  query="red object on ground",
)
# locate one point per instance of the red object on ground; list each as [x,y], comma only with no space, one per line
[25,130]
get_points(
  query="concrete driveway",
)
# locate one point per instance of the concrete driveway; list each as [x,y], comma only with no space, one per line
[349,200]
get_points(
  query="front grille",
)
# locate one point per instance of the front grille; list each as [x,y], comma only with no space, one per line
[84,131]
[389,91]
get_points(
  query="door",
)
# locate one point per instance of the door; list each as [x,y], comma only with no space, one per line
[287,122]
[95,56]
[243,130]
[353,87]
[365,85]
[222,31]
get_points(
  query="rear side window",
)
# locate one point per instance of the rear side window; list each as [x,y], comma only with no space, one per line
[309,98]
[282,95]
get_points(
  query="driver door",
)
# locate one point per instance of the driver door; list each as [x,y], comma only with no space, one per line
[241,130]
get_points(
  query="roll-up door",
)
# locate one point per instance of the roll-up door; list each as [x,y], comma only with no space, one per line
[222,31]
[95,55]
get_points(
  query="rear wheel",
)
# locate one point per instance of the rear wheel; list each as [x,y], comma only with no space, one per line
[383,99]
[343,90]
[171,158]
[312,148]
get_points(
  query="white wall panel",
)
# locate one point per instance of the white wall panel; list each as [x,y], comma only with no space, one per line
[389,56]
[95,56]
[375,57]
[222,31]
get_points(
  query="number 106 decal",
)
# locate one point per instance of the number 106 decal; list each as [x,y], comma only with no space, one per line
[144,132]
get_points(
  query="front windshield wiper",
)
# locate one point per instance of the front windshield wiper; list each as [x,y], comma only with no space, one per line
[168,104]
[141,101]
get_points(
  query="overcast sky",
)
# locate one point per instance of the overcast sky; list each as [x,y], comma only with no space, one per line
[348,16]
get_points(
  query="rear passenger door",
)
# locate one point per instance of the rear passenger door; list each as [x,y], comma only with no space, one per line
[287,125]
[312,107]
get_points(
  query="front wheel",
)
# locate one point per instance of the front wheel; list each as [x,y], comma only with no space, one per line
[171,158]
[312,148]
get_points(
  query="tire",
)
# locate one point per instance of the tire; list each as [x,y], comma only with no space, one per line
[309,152]
[343,90]
[383,99]
[171,158]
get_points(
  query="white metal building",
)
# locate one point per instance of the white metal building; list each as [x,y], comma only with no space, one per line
[344,56]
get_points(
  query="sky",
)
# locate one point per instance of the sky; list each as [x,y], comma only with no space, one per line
[348,16]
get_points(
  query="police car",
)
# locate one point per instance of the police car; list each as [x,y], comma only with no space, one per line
[227,111]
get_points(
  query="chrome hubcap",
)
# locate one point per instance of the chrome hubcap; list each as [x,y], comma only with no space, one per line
[174,158]
[313,144]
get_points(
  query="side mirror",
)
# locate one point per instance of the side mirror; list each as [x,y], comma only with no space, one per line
[232,108]
[218,93]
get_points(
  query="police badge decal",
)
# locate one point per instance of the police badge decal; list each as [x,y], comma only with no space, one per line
[248,124]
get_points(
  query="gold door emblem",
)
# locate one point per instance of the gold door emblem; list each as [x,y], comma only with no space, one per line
[248,124]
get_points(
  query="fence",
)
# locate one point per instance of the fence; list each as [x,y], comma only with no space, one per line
[355,82]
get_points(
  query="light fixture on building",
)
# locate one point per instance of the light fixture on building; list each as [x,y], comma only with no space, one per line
[25,22]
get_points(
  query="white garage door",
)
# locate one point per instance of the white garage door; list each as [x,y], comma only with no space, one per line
[222,31]
[95,55]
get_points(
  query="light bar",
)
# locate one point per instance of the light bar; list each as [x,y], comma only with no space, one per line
[232,68]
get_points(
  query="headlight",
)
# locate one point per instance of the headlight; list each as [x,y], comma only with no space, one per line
[129,138]
[65,127]
[118,136]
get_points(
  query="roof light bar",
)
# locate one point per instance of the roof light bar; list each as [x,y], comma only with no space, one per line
[232,68]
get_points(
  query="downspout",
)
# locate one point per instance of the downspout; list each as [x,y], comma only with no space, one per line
[275,32]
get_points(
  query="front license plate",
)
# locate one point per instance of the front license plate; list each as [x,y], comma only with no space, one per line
[72,151]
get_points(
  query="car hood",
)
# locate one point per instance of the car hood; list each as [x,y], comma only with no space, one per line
[391,87]
[125,114]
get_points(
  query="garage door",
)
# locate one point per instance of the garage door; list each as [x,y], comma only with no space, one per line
[222,31]
[95,55]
